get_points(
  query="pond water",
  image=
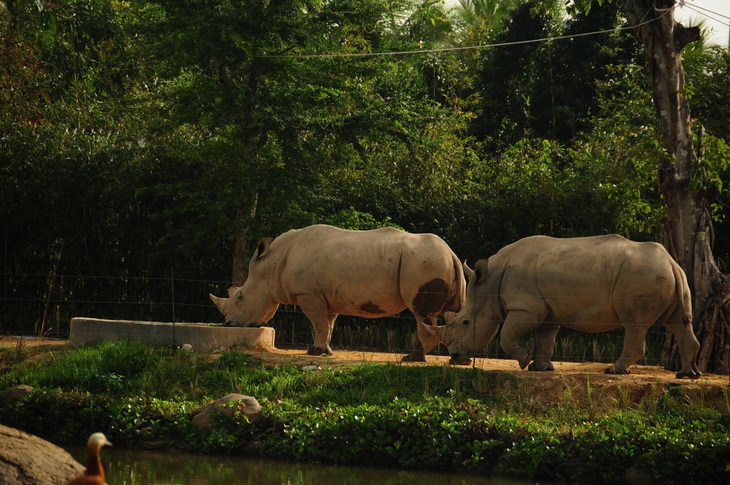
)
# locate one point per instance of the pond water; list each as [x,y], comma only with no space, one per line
[138,467]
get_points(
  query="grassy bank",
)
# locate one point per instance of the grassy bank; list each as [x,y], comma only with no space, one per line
[387,414]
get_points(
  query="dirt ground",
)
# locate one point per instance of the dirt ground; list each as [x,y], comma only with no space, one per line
[576,381]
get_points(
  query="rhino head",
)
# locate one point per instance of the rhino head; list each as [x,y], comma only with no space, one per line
[451,336]
[250,305]
[245,306]
[463,335]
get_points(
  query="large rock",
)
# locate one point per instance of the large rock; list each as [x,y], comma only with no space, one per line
[15,393]
[246,404]
[27,459]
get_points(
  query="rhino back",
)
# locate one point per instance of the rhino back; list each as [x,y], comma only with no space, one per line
[327,251]
[358,271]
[593,280]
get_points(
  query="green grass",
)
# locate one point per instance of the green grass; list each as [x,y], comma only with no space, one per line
[118,369]
[436,417]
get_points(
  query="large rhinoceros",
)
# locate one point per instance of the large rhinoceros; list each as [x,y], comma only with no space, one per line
[591,284]
[328,271]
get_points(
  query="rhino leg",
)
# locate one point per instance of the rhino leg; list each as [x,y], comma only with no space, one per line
[689,346]
[517,324]
[634,348]
[318,351]
[425,343]
[323,322]
[545,336]
[415,356]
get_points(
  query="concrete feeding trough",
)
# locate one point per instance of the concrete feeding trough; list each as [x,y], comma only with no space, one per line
[202,337]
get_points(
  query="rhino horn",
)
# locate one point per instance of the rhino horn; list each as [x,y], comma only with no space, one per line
[218,301]
[468,271]
[435,330]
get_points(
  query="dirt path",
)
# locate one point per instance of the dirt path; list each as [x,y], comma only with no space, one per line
[640,373]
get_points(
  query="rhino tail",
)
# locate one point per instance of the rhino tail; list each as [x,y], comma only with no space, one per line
[457,300]
[683,309]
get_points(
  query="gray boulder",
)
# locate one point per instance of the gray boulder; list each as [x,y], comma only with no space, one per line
[14,393]
[246,404]
[27,459]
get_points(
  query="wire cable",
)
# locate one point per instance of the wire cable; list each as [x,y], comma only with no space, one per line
[462,48]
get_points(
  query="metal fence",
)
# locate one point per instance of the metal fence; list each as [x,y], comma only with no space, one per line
[42,306]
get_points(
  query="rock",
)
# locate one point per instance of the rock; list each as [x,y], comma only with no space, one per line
[25,458]
[246,404]
[15,393]
[187,347]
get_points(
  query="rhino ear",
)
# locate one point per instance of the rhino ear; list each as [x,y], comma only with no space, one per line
[468,271]
[450,317]
[481,268]
[262,247]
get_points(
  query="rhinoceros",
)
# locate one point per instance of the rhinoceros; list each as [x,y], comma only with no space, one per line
[592,284]
[328,271]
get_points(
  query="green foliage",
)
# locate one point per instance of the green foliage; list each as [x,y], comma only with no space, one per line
[140,140]
[619,153]
[392,415]
[707,70]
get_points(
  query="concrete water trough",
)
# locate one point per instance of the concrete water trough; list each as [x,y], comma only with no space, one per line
[203,337]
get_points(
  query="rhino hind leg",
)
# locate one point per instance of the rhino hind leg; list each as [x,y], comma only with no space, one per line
[616,370]
[691,374]
[689,346]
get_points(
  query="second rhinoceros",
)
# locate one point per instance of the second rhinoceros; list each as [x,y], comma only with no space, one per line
[592,284]
[328,271]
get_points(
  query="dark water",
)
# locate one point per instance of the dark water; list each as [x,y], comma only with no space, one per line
[136,467]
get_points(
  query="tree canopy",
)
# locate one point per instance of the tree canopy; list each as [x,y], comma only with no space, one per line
[140,138]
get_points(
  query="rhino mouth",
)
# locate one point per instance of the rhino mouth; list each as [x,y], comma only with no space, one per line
[459,359]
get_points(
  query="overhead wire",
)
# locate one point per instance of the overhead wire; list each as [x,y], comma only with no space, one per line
[707,13]
[461,48]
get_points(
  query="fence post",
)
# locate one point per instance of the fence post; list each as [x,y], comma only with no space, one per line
[172,288]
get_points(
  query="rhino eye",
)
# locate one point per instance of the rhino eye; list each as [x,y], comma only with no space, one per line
[465,323]
[239,296]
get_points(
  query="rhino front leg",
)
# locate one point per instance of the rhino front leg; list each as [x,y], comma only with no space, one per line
[323,323]
[634,348]
[323,328]
[545,336]
[517,324]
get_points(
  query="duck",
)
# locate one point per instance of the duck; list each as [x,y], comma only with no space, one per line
[94,473]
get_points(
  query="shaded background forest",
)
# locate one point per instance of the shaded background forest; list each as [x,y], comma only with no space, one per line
[145,146]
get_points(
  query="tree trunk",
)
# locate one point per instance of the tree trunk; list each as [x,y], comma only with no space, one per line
[250,140]
[690,235]
[240,245]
